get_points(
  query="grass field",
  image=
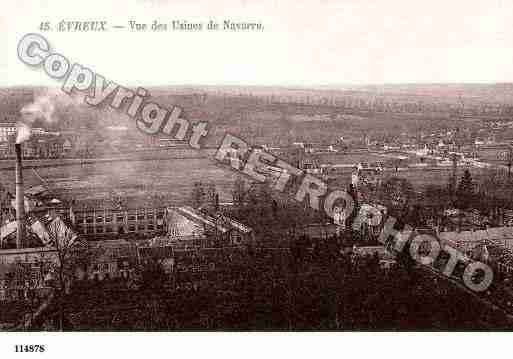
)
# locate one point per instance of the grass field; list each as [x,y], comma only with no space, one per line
[174,175]
[349,158]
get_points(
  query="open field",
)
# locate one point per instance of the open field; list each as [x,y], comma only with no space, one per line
[420,177]
[172,177]
[350,158]
[173,173]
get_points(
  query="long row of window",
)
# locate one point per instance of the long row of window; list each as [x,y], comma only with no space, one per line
[119,218]
[132,228]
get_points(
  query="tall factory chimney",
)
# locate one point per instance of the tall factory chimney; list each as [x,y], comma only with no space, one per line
[20,200]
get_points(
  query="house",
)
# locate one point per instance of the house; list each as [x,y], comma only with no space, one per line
[7,129]
[386,259]
[67,147]
[112,259]
[467,241]
[23,271]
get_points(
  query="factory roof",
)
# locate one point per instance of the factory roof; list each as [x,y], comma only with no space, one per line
[193,218]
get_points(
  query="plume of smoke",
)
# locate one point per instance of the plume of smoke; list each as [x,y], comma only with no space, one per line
[42,108]
[23,132]
[52,106]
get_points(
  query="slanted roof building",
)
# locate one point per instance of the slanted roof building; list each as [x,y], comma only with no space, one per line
[186,223]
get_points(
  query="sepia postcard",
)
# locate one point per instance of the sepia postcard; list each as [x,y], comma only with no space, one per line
[270,169]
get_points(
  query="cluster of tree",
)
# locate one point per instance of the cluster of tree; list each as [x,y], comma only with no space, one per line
[272,214]
[325,290]
[490,194]
[205,196]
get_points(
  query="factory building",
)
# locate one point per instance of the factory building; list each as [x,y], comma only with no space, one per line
[177,223]
[7,129]
[104,223]
[41,144]
[186,223]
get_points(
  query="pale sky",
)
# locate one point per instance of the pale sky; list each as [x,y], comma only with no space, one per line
[304,42]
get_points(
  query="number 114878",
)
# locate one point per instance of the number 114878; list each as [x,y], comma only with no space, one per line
[29,348]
